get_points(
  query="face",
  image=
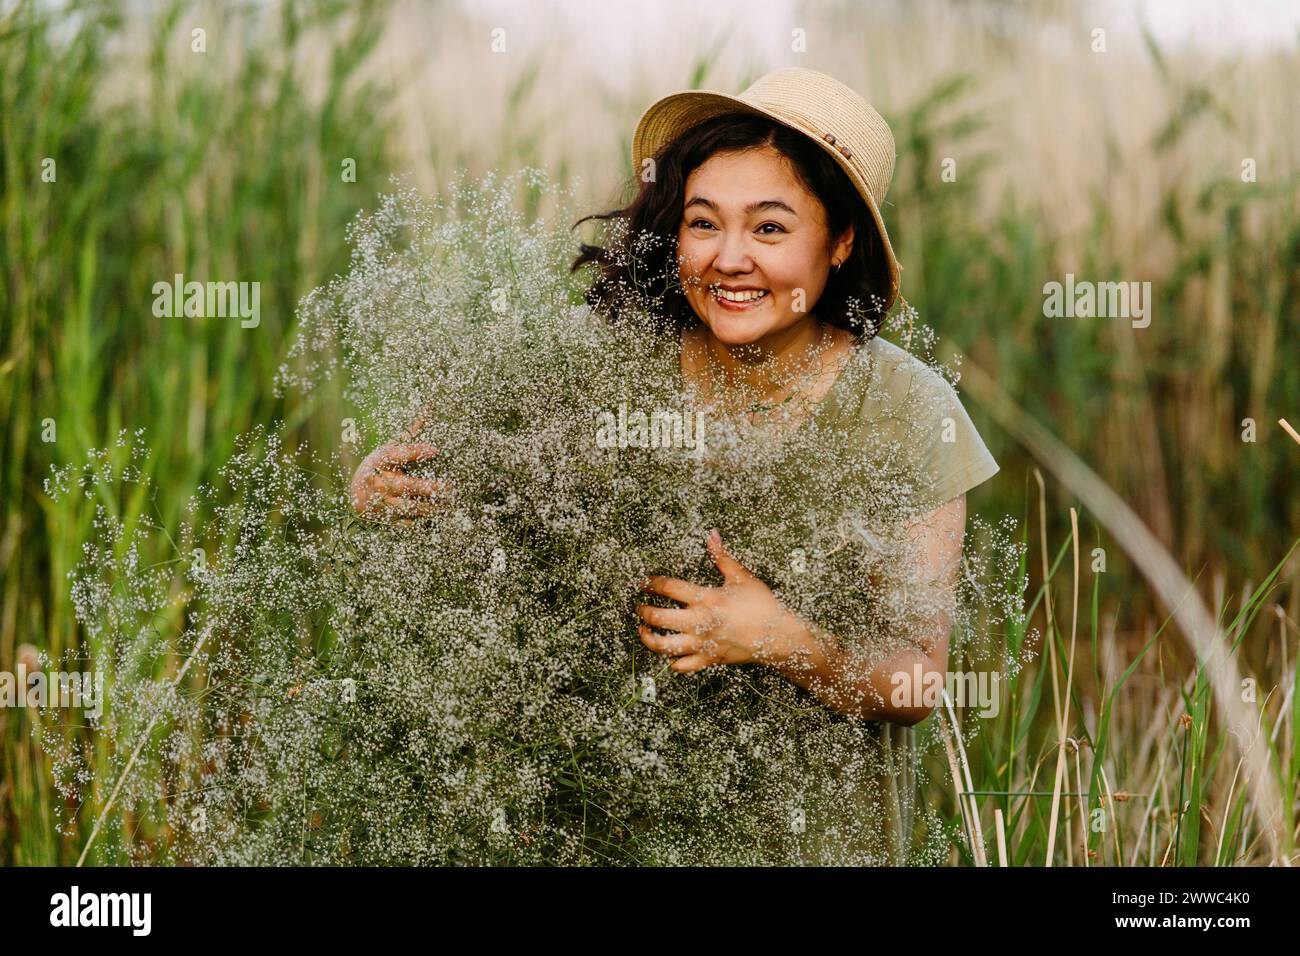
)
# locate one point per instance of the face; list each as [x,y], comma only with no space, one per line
[751,230]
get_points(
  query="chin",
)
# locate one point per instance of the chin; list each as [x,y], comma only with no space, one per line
[737,329]
[739,332]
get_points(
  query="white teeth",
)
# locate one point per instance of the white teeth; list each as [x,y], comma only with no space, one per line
[748,295]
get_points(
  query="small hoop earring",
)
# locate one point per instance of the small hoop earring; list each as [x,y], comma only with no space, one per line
[837,267]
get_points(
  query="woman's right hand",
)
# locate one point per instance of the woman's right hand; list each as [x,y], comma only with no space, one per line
[381,488]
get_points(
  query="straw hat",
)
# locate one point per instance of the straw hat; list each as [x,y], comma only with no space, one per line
[817,105]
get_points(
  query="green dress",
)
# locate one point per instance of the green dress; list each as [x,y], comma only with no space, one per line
[896,403]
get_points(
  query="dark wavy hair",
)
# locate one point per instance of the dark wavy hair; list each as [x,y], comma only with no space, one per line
[637,266]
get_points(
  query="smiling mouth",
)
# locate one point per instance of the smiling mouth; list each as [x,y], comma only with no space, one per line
[746,298]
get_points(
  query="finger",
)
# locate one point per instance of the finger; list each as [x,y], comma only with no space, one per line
[668,643]
[732,570]
[365,499]
[691,663]
[669,618]
[409,507]
[414,430]
[674,588]
[404,454]
[399,485]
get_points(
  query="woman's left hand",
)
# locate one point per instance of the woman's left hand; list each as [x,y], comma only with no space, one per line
[740,622]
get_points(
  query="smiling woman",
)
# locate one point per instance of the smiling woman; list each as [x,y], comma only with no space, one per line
[756,231]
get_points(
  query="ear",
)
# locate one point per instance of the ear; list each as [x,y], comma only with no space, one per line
[843,247]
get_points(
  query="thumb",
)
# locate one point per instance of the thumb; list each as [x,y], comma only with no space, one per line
[732,570]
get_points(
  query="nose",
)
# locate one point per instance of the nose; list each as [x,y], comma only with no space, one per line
[733,254]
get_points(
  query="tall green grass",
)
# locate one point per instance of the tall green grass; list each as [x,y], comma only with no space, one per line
[221,166]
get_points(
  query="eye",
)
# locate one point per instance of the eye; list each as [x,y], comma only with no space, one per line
[701,222]
[775,225]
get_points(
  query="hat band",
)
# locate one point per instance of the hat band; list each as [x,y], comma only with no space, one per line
[806,124]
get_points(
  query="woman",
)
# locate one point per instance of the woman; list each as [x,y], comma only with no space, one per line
[779,277]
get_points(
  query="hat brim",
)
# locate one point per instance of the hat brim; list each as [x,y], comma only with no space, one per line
[671,116]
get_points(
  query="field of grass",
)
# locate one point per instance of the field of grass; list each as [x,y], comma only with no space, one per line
[126,158]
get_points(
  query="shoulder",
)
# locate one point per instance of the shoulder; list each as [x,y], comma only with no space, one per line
[906,374]
[904,405]
[891,382]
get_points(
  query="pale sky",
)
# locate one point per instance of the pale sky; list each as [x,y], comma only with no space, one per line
[618,28]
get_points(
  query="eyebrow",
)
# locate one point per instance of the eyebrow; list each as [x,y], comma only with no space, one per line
[751,208]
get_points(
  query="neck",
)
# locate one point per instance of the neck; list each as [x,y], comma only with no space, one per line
[768,364]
